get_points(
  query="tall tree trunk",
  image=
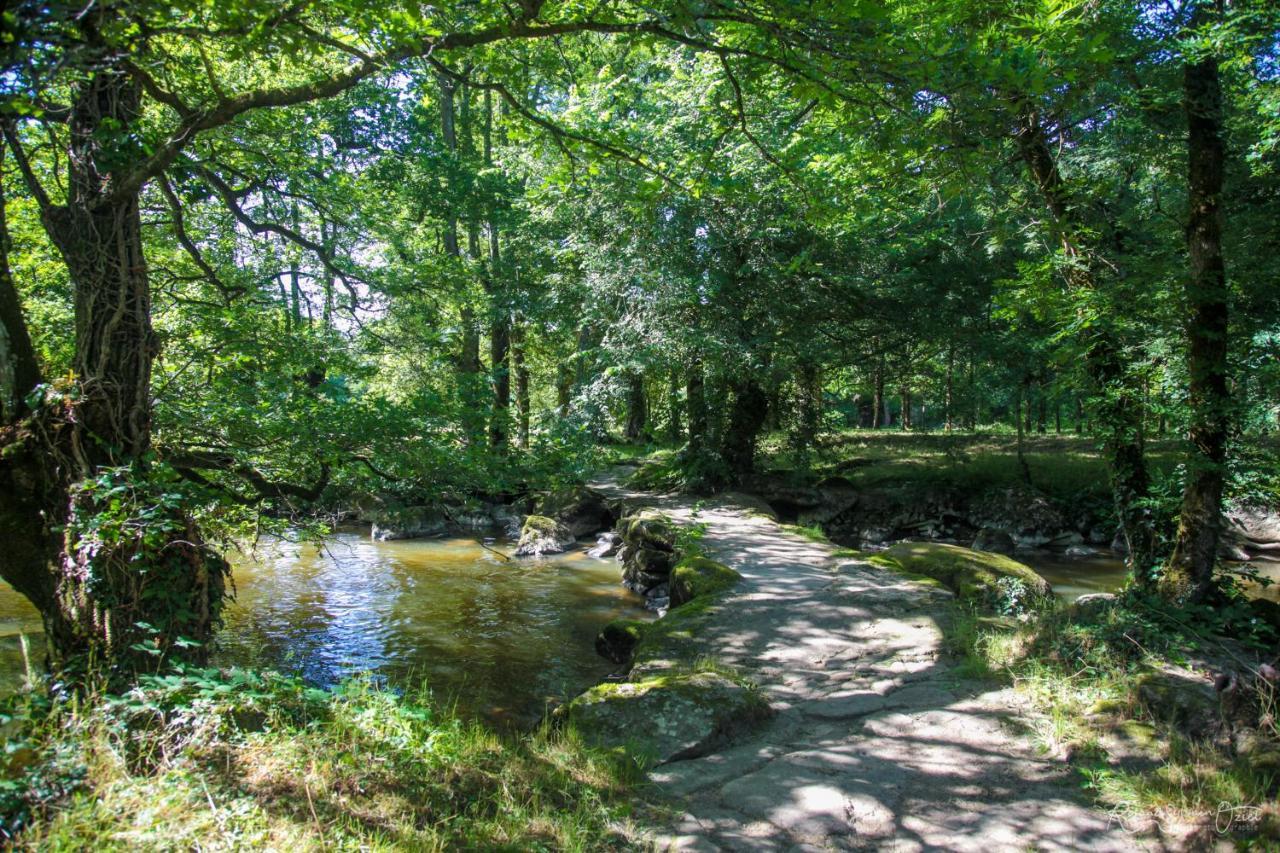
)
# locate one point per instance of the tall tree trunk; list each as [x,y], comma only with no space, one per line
[675,430]
[947,401]
[810,382]
[564,389]
[637,408]
[522,384]
[696,406]
[879,405]
[747,416]
[1190,571]
[1118,411]
[905,418]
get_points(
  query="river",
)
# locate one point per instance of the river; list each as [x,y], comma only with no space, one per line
[496,639]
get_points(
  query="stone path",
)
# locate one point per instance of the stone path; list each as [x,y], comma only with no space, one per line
[877,744]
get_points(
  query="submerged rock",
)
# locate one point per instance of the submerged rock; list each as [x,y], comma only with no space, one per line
[667,717]
[618,640]
[541,535]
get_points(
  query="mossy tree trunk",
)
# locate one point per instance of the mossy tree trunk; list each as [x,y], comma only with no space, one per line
[1190,570]
[101,599]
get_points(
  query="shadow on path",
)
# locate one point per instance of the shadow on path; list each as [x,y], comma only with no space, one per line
[878,743]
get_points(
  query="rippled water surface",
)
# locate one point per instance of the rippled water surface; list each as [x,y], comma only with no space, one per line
[499,638]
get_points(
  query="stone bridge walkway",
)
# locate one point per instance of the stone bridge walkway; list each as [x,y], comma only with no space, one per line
[878,743]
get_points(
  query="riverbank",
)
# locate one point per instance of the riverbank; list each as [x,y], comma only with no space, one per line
[240,760]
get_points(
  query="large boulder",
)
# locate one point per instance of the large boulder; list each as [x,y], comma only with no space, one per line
[541,535]
[581,510]
[991,581]
[1031,518]
[409,522]
[667,717]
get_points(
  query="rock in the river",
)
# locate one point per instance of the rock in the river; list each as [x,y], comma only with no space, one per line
[618,639]
[541,535]
[607,545]
[410,522]
[667,717]
[1081,551]
[989,580]
[581,510]
[994,540]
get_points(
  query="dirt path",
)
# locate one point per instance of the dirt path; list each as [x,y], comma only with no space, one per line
[878,743]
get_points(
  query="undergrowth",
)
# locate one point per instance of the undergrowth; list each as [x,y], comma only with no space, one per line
[1083,673]
[200,759]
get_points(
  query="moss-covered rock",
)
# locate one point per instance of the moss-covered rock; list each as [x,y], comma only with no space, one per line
[674,641]
[991,581]
[649,528]
[580,509]
[667,717]
[617,641]
[697,576]
[540,535]
[1186,703]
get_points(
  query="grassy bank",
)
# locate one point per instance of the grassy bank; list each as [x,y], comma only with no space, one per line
[1123,694]
[236,760]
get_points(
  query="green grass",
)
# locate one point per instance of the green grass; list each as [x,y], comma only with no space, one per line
[1082,680]
[259,761]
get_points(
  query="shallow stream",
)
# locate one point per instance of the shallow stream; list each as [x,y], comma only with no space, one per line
[498,639]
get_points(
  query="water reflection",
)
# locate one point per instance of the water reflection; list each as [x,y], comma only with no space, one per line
[498,639]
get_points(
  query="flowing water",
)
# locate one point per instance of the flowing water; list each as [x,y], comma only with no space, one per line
[500,639]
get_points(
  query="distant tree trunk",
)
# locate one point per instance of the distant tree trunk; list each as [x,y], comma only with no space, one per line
[674,428]
[696,406]
[972,391]
[1190,570]
[905,418]
[878,403]
[522,385]
[947,399]
[1057,417]
[1079,415]
[1023,402]
[810,382]
[1041,410]
[637,408]
[500,313]
[564,389]
[747,415]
